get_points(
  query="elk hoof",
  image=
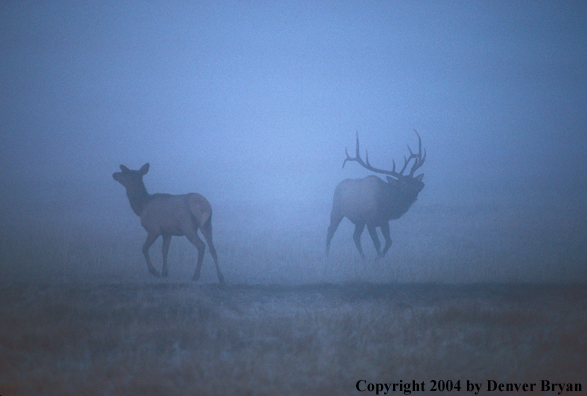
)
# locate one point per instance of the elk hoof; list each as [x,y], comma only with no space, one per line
[164,274]
[155,273]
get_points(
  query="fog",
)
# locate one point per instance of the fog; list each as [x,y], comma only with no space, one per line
[252,104]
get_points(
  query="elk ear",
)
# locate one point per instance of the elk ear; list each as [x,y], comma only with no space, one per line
[391,180]
[419,177]
[116,176]
[144,169]
[124,168]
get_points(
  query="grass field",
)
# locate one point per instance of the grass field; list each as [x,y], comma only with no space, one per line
[467,293]
[169,338]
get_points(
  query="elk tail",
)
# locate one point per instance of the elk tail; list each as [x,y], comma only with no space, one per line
[200,209]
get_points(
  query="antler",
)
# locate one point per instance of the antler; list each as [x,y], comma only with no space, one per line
[419,160]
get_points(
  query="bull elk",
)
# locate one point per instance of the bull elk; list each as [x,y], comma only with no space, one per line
[169,215]
[372,202]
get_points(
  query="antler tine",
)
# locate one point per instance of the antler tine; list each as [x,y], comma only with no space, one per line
[420,157]
[406,160]
[419,141]
[357,154]
[347,157]
[419,163]
[366,164]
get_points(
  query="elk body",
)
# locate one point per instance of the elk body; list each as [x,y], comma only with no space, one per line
[169,215]
[372,202]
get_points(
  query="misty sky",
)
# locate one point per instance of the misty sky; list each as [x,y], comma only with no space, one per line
[255,100]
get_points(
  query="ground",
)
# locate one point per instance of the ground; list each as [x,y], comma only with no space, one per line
[165,338]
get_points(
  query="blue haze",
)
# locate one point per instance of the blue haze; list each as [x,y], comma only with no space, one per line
[253,103]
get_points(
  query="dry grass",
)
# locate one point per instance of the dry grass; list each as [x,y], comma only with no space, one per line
[186,339]
[82,316]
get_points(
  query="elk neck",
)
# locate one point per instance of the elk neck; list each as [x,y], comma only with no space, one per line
[399,201]
[138,198]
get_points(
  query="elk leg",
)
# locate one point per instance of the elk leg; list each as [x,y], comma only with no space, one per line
[387,236]
[334,222]
[207,232]
[151,238]
[201,247]
[357,238]
[165,250]
[373,233]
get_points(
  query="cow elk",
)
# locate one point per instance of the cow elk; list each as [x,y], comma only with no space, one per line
[373,202]
[169,215]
